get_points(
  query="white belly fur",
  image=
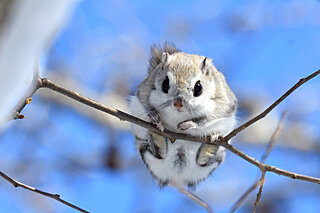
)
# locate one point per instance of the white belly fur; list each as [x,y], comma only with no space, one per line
[165,169]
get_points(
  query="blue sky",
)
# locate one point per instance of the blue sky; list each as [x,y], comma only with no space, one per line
[262,47]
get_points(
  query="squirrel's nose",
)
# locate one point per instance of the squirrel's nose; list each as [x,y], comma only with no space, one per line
[178,103]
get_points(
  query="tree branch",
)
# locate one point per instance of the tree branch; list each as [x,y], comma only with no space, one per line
[222,141]
[194,197]
[260,191]
[266,153]
[273,138]
[53,196]
[271,107]
[15,114]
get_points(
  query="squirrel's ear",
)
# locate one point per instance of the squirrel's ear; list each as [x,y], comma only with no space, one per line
[205,66]
[166,58]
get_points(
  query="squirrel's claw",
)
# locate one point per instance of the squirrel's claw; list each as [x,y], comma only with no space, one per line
[155,119]
[159,126]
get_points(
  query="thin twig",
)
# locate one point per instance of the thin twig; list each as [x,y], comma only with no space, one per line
[260,191]
[222,141]
[244,196]
[271,107]
[266,153]
[273,138]
[15,114]
[53,196]
[193,197]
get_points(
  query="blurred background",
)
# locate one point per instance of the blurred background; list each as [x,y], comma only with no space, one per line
[89,158]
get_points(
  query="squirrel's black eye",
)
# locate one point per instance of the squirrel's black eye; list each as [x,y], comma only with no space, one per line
[197,91]
[165,85]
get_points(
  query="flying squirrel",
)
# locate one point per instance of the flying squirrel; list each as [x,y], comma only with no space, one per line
[183,93]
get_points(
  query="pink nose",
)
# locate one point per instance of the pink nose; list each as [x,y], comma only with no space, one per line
[178,103]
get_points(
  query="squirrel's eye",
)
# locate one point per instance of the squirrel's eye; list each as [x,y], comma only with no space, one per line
[165,85]
[197,91]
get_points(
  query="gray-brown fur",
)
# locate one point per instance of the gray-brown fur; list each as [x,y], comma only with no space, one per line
[147,85]
[223,96]
[156,54]
[215,101]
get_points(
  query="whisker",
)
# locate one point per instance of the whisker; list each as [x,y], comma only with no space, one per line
[163,105]
[144,113]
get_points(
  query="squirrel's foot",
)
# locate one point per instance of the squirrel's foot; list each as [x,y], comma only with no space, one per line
[158,145]
[210,153]
[187,125]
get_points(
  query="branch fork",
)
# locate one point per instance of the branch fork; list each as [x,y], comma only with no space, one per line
[222,141]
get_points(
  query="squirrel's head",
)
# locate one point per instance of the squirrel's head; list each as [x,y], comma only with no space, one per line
[186,79]
[191,86]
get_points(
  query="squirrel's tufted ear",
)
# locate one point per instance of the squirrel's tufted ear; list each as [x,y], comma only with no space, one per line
[156,54]
[206,66]
[166,58]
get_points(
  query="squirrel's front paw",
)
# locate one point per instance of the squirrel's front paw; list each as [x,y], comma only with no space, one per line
[159,126]
[187,125]
[155,119]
